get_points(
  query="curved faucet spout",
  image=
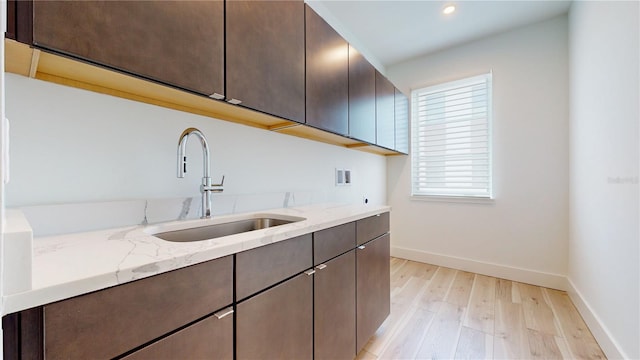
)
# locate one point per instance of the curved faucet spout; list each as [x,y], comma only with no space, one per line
[207,187]
[182,152]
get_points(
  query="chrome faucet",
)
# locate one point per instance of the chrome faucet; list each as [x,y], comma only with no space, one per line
[206,188]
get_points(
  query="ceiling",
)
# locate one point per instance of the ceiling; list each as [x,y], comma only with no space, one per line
[393,31]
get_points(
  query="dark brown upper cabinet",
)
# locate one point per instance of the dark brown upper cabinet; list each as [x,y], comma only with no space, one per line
[278,59]
[402,122]
[177,43]
[385,112]
[265,56]
[327,59]
[362,98]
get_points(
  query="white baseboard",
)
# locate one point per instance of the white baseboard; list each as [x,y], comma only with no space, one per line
[597,328]
[554,281]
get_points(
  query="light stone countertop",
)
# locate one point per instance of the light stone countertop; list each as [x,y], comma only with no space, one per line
[64,266]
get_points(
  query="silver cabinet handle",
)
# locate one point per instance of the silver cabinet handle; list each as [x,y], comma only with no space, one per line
[361,247]
[321,266]
[310,272]
[222,313]
[234,101]
[216,96]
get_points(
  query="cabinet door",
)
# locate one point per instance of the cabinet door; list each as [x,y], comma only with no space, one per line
[402,122]
[211,338]
[110,322]
[278,323]
[265,56]
[373,287]
[362,98]
[175,42]
[327,59]
[335,308]
[385,117]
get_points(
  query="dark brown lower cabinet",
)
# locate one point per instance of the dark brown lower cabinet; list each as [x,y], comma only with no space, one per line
[281,310]
[335,308]
[265,266]
[108,323]
[277,323]
[370,228]
[22,335]
[211,338]
[373,287]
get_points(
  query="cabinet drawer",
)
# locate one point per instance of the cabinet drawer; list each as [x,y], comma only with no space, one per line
[262,267]
[211,338]
[372,227]
[110,322]
[334,241]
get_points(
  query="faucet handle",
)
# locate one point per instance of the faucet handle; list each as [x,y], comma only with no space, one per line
[221,182]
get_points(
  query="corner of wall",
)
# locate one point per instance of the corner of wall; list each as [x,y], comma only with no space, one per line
[596,326]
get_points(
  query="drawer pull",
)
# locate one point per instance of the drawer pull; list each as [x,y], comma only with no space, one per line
[216,96]
[234,101]
[361,247]
[310,272]
[222,313]
[321,266]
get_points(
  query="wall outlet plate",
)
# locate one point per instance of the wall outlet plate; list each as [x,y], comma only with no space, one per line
[339,177]
[343,177]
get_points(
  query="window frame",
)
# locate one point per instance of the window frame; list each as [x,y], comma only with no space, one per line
[449,197]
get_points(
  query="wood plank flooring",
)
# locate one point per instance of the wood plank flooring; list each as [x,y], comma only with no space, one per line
[442,313]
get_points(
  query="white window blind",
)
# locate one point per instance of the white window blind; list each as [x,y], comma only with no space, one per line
[451,133]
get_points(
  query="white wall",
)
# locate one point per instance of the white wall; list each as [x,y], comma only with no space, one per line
[70,145]
[604,268]
[523,235]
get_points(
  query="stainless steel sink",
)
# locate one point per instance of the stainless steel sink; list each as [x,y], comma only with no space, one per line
[223,229]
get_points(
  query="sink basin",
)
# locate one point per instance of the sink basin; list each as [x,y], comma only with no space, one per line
[198,233]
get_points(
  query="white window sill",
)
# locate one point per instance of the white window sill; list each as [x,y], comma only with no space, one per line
[453,199]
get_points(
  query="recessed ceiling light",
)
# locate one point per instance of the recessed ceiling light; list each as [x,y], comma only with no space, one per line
[448,9]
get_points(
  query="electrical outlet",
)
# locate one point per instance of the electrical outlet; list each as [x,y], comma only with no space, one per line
[347,177]
[340,177]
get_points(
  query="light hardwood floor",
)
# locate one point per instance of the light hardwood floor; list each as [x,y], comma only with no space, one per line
[442,313]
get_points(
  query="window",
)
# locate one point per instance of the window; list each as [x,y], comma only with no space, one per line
[451,133]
